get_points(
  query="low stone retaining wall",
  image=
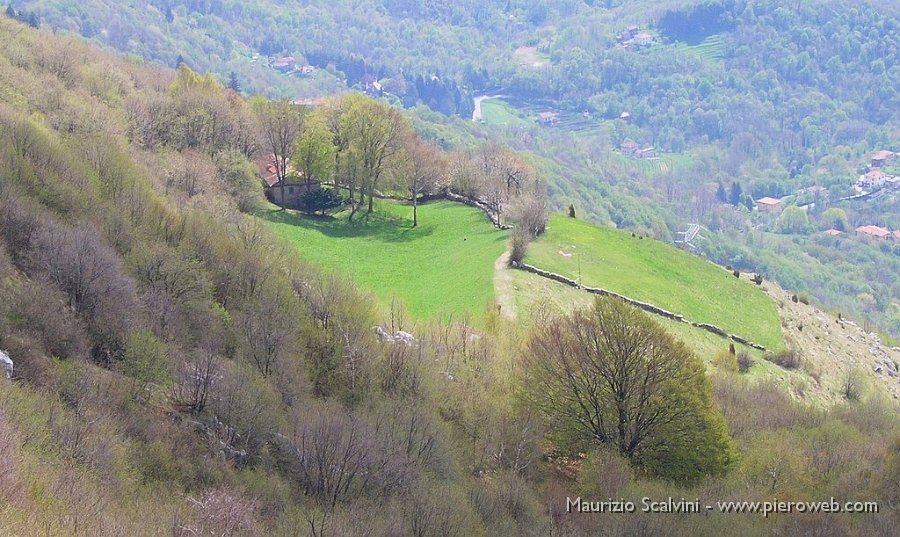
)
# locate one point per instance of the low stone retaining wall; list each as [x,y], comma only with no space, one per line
[472,202]
[442,195]
[656,310]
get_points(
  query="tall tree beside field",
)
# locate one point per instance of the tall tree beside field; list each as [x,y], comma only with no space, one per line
[314,154]
[374,131]
[423,167]
[280,123]
[611,376]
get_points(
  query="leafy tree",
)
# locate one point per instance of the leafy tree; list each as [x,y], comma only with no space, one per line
[146,361]
[374,132]
[314,153]
[792,220]
[320,200]
[610,375]
[835,218]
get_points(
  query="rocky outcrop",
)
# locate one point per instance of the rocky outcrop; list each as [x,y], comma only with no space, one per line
[397,337]
[646,306]
[6,365]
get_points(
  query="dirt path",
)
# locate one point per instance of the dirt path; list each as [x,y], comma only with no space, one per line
[503,287]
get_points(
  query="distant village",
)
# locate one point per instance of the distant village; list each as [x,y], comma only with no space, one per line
[874,180]
[289,65]
[633,37]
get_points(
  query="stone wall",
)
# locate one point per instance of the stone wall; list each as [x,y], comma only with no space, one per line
[651,308]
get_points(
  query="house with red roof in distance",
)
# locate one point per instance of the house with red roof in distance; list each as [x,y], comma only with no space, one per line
[872,179]
[643,39]
[284,64]
[880,158]
[875,232]
[832,232]
[548,118]
[629,147]
[769,205]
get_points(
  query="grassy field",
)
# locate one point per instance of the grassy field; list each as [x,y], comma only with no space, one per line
[535,296]
[445,265]
[655,272]
[712,48]
[500,112]
[664,163]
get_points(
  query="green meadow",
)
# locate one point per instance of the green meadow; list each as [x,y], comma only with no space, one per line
[652,271]
[445,265]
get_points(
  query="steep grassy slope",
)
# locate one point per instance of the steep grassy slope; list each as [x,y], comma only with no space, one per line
[445,265]
[652,271]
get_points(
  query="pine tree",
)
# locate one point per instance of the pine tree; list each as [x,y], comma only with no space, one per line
[233,83]
[721,195]
[735,197]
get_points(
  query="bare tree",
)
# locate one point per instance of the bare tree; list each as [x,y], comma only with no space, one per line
[423,168]
[280,123]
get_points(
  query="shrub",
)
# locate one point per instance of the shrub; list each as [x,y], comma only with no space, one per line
[571,211]
[803,297]
[757,279]
[321,201]
[726,361]
[852,386]
[604,473]
[788,358]
[530,211]
[146,361]
[794,298]
[737,273]
[744,361]
[519,245]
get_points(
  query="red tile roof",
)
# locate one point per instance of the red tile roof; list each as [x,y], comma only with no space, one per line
[873,231]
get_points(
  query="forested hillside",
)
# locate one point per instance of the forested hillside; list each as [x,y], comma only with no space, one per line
[179,369]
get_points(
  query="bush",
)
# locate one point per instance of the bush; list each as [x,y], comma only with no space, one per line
[530,211]
[852,386]
[146,361]
[519,243]
[757,279]
[788,358]
[737,273]
[571,211]
[726,361]
[320,201]
[803,298]
[744,361]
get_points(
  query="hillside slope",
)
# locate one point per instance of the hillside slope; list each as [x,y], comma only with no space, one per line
[652,271]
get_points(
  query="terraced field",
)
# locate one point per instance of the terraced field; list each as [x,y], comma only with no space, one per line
[712,48]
